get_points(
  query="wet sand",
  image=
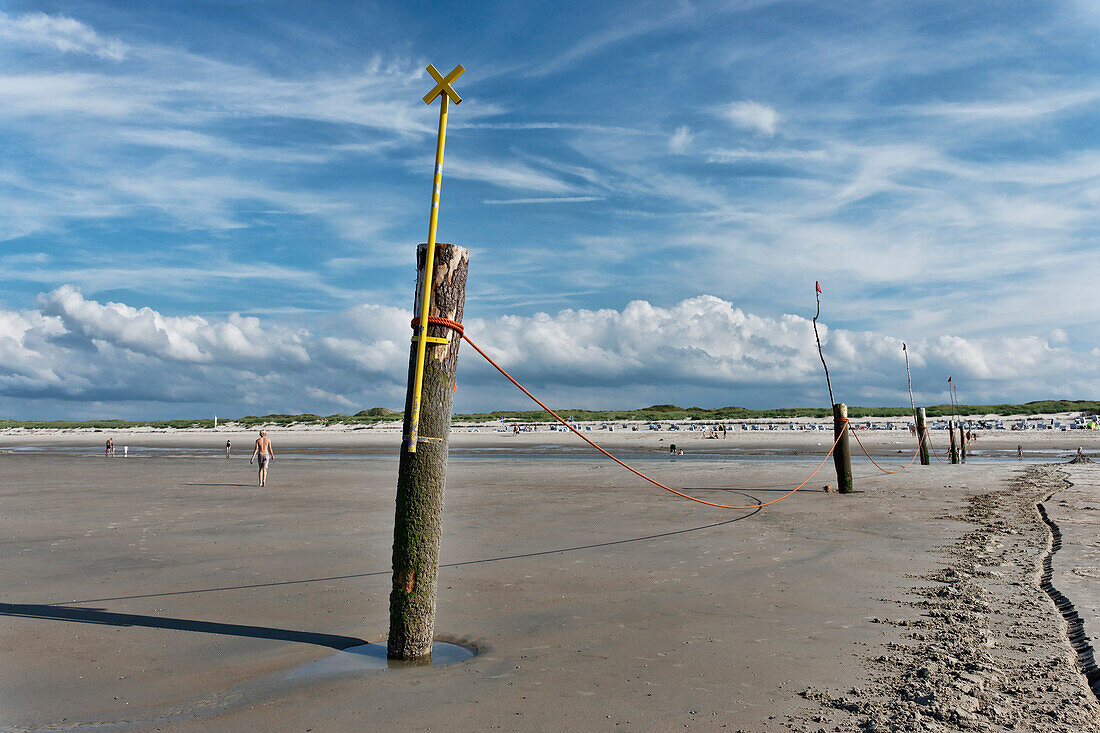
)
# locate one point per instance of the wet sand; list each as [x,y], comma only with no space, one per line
[167,592]
[385,439]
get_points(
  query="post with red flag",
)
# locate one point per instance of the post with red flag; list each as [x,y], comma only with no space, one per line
[951,427]
[962,432]
[842,454]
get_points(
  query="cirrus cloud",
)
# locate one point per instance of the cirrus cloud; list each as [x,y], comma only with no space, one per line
[60,32]
[751,115]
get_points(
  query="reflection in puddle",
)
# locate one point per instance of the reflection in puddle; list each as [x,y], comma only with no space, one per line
[373,656]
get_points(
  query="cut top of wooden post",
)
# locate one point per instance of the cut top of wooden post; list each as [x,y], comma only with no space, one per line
[450,265]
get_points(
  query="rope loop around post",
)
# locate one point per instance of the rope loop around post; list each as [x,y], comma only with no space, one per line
[440,321]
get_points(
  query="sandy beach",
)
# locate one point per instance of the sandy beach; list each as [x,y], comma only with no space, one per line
[164,591]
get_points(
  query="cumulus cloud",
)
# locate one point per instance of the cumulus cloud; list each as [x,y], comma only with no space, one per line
[704,350]
[59,32]
[188,339]
[751,115]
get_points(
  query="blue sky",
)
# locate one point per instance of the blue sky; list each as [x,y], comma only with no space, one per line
[214,206]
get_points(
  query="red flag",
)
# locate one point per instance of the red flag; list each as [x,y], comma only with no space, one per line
[817,285]
[949,380]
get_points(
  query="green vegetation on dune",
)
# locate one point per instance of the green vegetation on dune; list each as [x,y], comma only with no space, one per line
[654,413]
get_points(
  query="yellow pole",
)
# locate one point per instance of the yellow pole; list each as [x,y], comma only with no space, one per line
[429,264]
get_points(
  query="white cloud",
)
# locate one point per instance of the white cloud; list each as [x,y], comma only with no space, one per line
[615,31]
[510,174]
[545,200]
[60,32]
[1012,111]
[752,116]
[680,140]
[188,339]
[702,350]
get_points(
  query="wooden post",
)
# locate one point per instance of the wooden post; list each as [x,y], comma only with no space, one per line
[421,476]
[954,446]
[842,456]
[962,441]
[922,436]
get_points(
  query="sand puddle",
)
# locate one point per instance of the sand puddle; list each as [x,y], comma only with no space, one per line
[373,657]
[351,661]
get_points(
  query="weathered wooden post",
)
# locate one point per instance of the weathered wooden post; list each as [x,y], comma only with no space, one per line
[421,475]
[954,446]
[842,455]
[962,441]
[922,436]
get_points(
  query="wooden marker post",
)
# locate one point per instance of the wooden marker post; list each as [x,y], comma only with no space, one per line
[954,446]
[922,436]
[962,441]
[842,456]
[421,475]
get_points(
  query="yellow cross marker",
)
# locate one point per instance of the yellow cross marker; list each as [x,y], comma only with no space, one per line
[444,85]
[444,91]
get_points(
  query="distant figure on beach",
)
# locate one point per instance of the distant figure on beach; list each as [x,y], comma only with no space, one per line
[672,449]
[265,453]
[228,447]
[1080,453]
[1019,452]
[110,450]
[125,451]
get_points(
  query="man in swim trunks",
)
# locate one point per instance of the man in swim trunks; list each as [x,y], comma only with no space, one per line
[265,453]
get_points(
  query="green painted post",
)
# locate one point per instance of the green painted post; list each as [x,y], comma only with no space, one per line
[954,445]
[842,455]
[922,436]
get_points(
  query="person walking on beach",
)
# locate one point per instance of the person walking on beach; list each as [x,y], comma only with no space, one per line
[265,453]
[1020,452]
[228,447]
[110,450]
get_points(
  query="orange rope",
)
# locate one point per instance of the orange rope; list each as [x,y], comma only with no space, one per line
[935,453]
[457,327]
[872,460]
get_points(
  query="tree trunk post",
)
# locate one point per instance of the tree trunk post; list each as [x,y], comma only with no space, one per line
[842,456]
[922,436]
[962,441]
[421,476]
[954,445]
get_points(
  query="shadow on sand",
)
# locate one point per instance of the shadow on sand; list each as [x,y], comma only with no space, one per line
[108,618]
